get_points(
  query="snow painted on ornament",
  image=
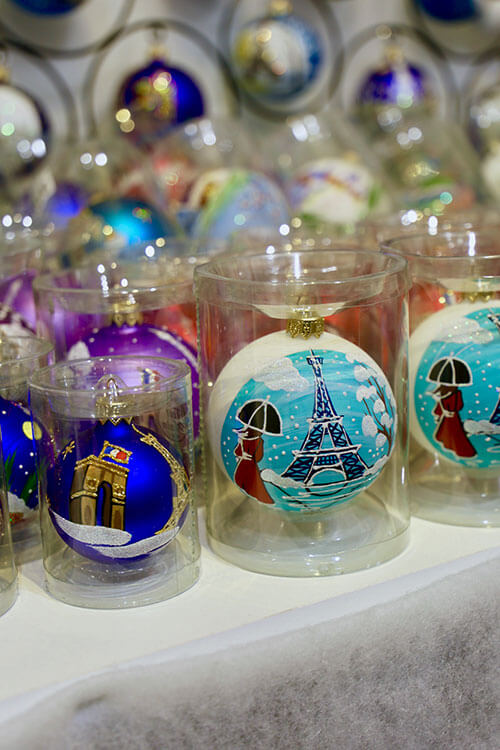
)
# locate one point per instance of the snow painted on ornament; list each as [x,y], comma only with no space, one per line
[457,389]
[310,430]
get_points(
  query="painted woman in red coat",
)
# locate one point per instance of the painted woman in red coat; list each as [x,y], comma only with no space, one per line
[249,452]
[259,417]
[450,430]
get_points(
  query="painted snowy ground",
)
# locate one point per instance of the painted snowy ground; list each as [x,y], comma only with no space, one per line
[112,543]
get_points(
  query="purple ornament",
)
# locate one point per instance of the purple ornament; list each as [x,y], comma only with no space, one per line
[141,340]
[16,294]
[13,324]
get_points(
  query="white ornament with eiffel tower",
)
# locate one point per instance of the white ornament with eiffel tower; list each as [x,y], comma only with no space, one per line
[454,386]
[301,425]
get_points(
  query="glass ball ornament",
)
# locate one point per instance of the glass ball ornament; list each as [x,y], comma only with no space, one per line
[19,435]
[25,132]
[277,56]
[396,81]
[334,190]
[48,7]
[116,520]
[230,200]
[155,98]
[279,406]
[484,118]
[454,392]
[449,10]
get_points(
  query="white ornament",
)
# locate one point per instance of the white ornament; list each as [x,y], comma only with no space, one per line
[454,379]
[301,425]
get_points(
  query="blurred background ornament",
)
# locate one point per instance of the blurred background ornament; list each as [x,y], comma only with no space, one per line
[396,83]
[450,10]
[48,7]
[229,201]
[278,55]
[25,132]
[327,171]
[154,98]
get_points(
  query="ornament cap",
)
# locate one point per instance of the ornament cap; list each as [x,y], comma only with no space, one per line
[126,313]
[111,407]
[280,7]
[305,327]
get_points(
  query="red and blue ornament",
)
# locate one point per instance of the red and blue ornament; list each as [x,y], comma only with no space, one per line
[118,492]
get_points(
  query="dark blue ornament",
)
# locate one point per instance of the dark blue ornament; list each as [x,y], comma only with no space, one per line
[130,220]
[450,10]
[118,493]
[154,99]
[65,203]
[48,7]
[402,84]
[19,438]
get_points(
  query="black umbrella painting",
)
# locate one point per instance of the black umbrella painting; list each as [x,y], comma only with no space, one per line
[262,416]
[450,371]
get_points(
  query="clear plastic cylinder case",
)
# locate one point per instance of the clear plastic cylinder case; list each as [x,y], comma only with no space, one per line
[20,357]
[139,304]
[454,354]
[304,372]
[8,572]
[117,518]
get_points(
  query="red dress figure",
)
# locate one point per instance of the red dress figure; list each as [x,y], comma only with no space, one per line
[450,430]
[249,452]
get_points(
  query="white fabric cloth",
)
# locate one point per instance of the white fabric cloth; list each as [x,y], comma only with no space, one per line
[411,663]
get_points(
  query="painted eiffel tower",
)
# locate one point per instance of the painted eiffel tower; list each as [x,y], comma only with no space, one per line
[327,444]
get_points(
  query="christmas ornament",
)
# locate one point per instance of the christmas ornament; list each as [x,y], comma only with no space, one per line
[24,130]
[301,425]
[12,324]
[154,98]
[231,200]
[127,335]
[395,82]
[449,10]
[123,219]
[335,190]
[484,118]
[19,435]
[454,382]
[66,202]
[118,492]
[278,56]
[16,295]
[48,7]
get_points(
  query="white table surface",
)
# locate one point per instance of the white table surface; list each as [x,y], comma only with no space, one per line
[45,642]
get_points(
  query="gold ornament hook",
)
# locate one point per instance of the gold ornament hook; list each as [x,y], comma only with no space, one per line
[109,408]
